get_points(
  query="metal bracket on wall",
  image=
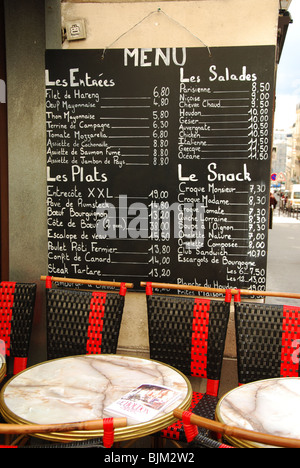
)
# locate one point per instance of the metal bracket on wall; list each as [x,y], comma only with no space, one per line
[75,30]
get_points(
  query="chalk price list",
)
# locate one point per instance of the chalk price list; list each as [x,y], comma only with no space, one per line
[174,147]
[160,250]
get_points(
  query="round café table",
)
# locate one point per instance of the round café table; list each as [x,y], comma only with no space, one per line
[270,406]
[79,388]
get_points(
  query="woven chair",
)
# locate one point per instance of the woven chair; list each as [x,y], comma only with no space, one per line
[108,425]
[189,334]
[83,322]
[17,302]
[88,443]
[267,340]
[192,421]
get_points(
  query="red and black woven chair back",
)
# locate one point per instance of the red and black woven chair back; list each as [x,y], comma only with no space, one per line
[83,322]
[268,341]
[17,302]
[189,334]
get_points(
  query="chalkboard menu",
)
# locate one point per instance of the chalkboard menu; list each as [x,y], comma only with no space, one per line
[158,164]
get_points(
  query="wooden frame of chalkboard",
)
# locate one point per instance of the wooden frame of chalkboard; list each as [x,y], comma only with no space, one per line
[158,164]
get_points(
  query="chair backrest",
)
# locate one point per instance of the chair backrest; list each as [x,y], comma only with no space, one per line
[83,322]
[189,334]
[17,302]
[268,341]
